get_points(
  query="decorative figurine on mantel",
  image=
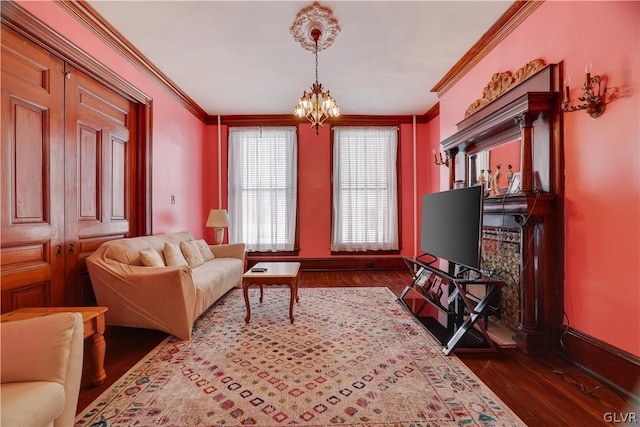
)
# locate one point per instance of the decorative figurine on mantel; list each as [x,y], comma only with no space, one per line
[494,182]
[509,175]
[482,180]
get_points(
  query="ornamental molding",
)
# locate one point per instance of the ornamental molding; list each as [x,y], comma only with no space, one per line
[503,82]
[311,18]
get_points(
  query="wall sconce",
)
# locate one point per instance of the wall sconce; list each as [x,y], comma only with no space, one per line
[592,98]
[439,160]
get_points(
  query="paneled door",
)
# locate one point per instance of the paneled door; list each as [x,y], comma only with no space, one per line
[66,172]
[98,156]
[32,164]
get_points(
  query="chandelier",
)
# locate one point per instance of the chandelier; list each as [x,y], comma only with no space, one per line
[316,28]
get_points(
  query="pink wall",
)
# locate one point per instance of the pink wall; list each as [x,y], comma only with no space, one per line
[177,134]
[602,189]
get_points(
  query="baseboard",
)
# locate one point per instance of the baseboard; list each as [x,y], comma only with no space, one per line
[613,366]
[360,263]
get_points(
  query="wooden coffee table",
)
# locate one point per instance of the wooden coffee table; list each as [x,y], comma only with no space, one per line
[93,319]
[276,273]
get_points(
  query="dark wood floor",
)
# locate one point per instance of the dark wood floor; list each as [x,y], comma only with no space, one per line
[543,392]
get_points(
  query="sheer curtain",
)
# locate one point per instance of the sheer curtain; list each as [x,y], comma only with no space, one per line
[263,187]
[365,199]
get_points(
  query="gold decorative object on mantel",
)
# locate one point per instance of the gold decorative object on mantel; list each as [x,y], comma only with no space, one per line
[502,82]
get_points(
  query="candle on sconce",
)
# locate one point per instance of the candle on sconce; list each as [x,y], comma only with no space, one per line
[587,70]
[567,83]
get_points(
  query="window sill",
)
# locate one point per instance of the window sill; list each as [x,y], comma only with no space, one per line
[256,254]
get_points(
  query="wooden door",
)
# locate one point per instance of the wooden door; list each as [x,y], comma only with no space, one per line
[98,173]
[68,178]
[32,168]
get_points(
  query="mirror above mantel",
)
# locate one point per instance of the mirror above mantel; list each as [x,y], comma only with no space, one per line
[504,157]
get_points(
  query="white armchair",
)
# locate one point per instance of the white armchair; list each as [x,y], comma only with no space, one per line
[41,370]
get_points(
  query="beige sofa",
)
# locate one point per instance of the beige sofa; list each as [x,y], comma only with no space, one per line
[41,370]
[167,298]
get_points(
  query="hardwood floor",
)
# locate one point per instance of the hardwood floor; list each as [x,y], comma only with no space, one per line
[543,392]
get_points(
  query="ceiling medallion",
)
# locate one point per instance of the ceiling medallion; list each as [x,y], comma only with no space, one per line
[315,17]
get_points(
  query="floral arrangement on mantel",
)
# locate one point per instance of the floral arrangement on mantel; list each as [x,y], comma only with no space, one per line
[502,82]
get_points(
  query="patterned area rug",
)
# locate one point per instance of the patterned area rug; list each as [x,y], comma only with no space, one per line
[354,356]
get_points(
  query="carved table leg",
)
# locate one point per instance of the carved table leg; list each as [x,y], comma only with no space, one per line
[245,291]
[98,347]
[292,288]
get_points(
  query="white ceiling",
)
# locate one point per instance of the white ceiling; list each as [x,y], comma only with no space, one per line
[238,57]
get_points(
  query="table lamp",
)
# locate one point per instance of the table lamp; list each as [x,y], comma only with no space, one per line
[218,219]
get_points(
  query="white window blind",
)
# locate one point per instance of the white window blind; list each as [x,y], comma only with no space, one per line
[365,207]
[263,188]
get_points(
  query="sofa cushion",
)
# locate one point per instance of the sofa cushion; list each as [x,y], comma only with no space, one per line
[151,258]
[173,254]
[31,403]
[127,251]
[205,250]
[39,357]
[191,253]
[215,278]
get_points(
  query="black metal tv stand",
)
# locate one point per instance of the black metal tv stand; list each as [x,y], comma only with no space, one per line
[452,295]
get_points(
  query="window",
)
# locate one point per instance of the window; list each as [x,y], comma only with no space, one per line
[263,187]
[365,207]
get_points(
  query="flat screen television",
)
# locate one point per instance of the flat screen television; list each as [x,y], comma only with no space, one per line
[451,225]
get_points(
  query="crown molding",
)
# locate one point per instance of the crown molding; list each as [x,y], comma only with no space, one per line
[290,120]
[18,19]
[432,113]
[101,28]
[508,22]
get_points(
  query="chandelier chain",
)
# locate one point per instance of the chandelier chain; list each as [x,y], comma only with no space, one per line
[316,61]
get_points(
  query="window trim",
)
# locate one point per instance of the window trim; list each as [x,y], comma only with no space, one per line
[296,238]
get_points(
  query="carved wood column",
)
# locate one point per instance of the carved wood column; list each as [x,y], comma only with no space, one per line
[528,336]
[452,166]
[473,170]
[525,121]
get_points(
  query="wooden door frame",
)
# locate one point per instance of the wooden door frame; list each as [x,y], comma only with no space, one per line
[18,19]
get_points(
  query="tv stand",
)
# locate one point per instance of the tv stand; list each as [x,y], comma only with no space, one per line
[452,295]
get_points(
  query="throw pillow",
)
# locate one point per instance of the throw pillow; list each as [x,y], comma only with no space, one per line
[205,250]
[151,258]
[173,254]
[191,253]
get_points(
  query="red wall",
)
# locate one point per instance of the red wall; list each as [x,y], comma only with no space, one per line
[177,134]
[602,189]
[211,195]
[314,184]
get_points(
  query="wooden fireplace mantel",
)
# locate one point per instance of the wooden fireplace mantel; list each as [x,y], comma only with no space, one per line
[528,112]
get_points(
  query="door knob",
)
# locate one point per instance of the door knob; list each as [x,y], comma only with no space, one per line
[70,248]
[59,250]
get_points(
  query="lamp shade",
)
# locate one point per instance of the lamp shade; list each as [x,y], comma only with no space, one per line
[218,218]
